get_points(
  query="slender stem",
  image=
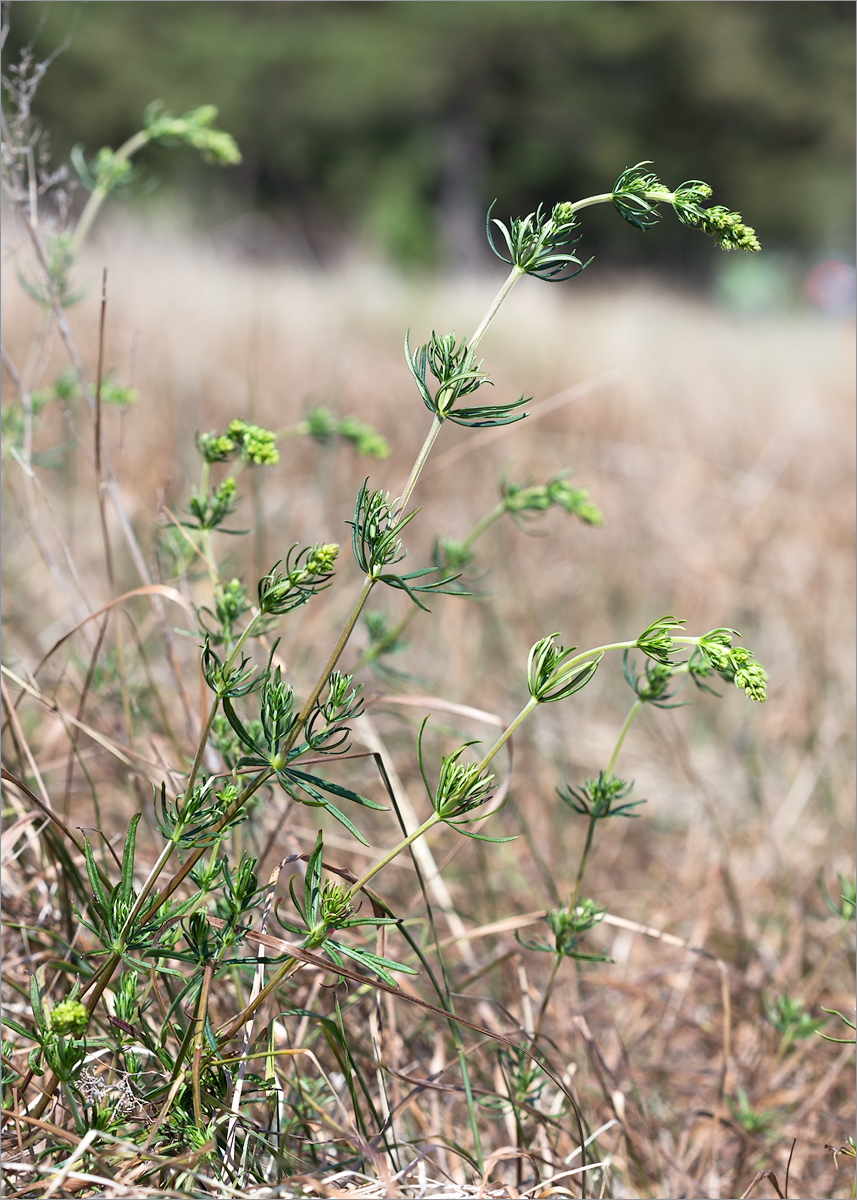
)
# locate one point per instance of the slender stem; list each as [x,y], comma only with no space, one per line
[212,712]
[394,853]
[205,534]
[546,999]
[479,528]
[511,279]
[100,193]
[79,1124]
[601,198]
[582,868]
[416,469]
[341,643]
[224,1035]
[292,431]
[198,1038]
[626,725]
[163,859]
[507,733]
[201,744]
[608,771]
[578,883]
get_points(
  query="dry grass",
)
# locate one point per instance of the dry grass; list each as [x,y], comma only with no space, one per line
[720,450]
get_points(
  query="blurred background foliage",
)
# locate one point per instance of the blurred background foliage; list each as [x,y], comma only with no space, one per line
[394,125]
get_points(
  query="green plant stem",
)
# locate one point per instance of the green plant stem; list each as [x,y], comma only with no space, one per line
[212,712]
[578,883]
[601,198]
[391,854]
[510,281]
[341,643]
[512,278]
[531,704]
[419,463]
[479,528]
[99,194]
[626,725]
[205,533]
[608,771]
[226,1034]
[198,1039]
[372,652]
[79,1123]
[537,1030]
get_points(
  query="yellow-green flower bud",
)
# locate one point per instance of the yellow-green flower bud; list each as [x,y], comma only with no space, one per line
[322,558]
[69,1018]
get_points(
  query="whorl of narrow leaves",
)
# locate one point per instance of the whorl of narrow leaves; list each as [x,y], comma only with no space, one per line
[453,365]
[375,529]
[538,244]
[600,798]
[547,680]
[309,572]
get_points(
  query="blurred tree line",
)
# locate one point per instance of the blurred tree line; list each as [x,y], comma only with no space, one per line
[399,122]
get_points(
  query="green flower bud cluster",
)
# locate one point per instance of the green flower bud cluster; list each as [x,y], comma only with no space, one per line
[735,664]
[728,229]
[69,1018]
[556,493]
[230,602]
[214,447]
[335,904]
[195,128]
[321,559]
[255,444]
[569,927]
[283,591]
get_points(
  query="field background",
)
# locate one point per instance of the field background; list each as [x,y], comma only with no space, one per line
[713,426]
